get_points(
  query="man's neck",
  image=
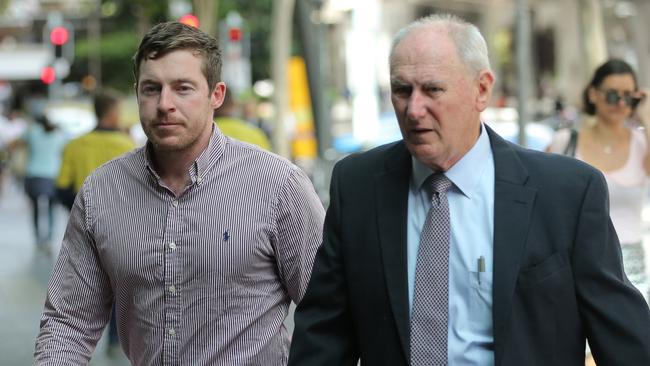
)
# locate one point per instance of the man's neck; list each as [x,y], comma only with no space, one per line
[173,167]
[174,172]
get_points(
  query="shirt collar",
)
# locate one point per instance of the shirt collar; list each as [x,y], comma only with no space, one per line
[466,173]
[207,158]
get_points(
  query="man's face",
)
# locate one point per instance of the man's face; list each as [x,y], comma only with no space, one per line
[174,101]
[436,99]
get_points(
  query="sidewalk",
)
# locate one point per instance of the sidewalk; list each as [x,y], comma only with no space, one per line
[24,273]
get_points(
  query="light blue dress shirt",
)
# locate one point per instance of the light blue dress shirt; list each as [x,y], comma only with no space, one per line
[471,214]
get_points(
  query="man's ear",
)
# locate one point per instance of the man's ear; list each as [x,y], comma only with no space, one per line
[485,83]
[218,94]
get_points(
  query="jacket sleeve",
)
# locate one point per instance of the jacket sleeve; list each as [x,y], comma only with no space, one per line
[324,333]
[615,315]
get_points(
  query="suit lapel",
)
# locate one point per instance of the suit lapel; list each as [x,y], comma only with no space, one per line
[513,203]
[392,206]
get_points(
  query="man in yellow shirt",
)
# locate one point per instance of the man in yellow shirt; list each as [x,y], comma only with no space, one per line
[87,152]
[237,128]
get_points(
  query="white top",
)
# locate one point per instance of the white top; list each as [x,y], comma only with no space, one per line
[627,185]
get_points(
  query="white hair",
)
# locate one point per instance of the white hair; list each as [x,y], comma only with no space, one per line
[469,42]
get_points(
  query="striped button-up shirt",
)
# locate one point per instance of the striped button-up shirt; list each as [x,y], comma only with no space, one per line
[203,278]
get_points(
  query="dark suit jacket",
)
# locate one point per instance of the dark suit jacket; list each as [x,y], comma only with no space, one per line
[558,277]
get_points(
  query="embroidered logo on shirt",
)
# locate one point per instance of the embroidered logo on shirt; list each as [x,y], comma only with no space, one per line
[226,235]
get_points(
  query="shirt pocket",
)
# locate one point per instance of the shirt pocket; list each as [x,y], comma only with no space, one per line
[480,300]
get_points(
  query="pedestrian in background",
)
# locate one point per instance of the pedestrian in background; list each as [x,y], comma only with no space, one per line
[44,144]
[202,241]
[455,247]
[88,152]
[237,128]
[12,127]
[619,149]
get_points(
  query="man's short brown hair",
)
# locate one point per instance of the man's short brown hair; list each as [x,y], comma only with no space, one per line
[164,38]
[104,101]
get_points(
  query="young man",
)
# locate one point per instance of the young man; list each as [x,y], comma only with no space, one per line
[202,241]
[454,247]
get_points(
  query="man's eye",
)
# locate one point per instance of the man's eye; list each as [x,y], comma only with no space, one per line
[434,89]
[149,90]
[401,91]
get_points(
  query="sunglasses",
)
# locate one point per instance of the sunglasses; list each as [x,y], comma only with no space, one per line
[613,97]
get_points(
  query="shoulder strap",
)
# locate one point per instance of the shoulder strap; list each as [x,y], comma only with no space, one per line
[570,149]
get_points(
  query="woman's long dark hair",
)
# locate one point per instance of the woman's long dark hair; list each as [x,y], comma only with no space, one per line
[611,67]
[46,123]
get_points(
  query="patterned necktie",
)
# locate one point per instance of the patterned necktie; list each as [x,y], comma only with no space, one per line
[429,315]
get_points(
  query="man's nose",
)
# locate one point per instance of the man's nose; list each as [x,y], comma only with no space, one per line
[166,101]
[416,107]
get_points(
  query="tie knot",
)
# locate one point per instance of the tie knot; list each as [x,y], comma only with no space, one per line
[439,183]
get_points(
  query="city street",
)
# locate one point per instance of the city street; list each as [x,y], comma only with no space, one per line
[24,273]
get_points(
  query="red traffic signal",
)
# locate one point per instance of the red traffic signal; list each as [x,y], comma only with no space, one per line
[59,36]
[235,34]
[48,75]
[190,19]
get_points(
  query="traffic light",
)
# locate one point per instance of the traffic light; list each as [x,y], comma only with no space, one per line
[235,34]
[48,75]
[59,37]
[61,41]
[190,19]
[235,42]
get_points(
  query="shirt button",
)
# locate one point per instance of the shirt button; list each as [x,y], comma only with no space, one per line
[172,289]
[172,246]
[175,203]
[171,331]
[199,179]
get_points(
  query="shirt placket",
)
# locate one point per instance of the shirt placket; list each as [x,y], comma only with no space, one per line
[172,263]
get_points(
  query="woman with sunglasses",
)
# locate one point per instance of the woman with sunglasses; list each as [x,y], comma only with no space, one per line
[611,143]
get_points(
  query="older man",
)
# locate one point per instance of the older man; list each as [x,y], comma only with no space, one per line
[454,247]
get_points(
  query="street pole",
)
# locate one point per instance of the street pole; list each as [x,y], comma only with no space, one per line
[524,70]
[280,52]
[95,36]
[205,11]
[313,42]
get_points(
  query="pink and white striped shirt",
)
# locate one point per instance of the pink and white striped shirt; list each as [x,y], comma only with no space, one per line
[204,278]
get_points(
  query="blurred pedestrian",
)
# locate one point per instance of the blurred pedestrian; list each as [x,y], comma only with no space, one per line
[618,149]
[12,128]
[456,247]
[232,126]
[88,152]
[201,240]
[44,144]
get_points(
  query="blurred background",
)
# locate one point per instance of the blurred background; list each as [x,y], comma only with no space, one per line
[311,74]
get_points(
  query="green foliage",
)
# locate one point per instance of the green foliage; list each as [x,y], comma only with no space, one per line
[121,35]
[115,49]
[3,6]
